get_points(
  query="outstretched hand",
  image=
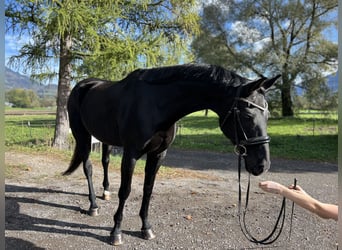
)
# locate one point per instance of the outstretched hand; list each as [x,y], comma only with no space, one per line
[271,187]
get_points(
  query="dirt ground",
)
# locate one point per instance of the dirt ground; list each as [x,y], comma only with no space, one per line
[196,208]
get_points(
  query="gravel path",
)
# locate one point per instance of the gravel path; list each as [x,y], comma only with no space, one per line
[195,209]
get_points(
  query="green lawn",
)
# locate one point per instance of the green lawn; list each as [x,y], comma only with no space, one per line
[293,138]
[307,137]
[29,130]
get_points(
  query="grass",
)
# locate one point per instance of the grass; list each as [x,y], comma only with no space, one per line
[29,130]
[305,137]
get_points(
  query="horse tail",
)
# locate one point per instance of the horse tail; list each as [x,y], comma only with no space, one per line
[79,131]
[75,162]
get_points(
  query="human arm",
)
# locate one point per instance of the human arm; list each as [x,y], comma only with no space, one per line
[301,198]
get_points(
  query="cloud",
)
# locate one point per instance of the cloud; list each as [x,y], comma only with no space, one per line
[13,43]
[259,45]
[245,33]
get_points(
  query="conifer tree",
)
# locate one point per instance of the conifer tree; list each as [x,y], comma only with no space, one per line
[97,38]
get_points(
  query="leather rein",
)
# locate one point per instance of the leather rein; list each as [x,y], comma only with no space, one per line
[241,150]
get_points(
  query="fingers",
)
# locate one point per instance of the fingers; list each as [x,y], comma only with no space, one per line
[295,188]
[262,184]
[270,186]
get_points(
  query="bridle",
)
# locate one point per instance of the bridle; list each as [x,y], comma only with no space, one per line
[240,145]
[241,150]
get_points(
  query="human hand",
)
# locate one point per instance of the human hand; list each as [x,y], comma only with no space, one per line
[298,188]
[271,187]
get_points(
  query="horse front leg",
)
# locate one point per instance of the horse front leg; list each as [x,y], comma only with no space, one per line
[106,150]
[127,168]
[153,163]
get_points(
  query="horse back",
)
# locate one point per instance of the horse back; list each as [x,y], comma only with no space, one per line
[81,89]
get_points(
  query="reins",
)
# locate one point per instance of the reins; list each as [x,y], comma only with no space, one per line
[241,150]
[242,216]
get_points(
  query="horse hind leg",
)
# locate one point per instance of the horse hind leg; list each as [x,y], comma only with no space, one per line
[83,143]
[106,150]
[88,171]
[81,154]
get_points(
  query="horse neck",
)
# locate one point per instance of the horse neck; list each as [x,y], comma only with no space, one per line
[196,97]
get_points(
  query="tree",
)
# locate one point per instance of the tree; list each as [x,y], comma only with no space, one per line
[22,98]
[269,37]
[97,38]
[319,96]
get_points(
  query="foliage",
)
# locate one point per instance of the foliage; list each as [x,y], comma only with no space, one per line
[324,100]
[105,39]
[22,98]
[109,38]
[47,101]
[259,37]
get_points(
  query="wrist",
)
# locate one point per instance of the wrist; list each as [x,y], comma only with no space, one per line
[282,190]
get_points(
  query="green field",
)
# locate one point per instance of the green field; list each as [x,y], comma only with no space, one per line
[307,137]
[29,130]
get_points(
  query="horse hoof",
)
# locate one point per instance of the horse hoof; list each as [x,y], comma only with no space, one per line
[93,212]
[106,195]
[147,234]
[116,239]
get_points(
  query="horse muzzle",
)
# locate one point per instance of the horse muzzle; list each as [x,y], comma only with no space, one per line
[255,152]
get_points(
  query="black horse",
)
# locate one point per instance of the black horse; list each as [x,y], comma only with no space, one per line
[139,113]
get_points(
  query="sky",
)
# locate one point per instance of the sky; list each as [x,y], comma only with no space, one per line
[13,43]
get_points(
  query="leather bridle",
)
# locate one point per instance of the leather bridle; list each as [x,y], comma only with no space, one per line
[240,145]
[241,150]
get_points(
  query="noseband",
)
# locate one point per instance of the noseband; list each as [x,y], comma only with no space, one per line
[241,150]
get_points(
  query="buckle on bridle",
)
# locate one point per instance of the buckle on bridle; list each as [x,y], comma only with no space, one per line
[240,150]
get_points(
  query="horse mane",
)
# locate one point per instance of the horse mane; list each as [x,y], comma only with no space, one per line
[197,72]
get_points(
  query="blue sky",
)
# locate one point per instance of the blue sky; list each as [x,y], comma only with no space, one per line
[13,43]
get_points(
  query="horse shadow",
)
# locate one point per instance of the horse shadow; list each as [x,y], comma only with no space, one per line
[20,244]
[18,221]
[23,189]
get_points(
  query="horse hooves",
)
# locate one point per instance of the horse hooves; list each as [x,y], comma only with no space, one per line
[93,212]
[147,234]
[116,239]
[106,196]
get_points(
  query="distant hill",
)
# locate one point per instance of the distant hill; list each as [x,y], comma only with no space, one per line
[333,82]
[14,80]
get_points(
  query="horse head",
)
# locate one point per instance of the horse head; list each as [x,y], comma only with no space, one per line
[245,124]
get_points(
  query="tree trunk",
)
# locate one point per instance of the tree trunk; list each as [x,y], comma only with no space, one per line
[286,100]
[64,78]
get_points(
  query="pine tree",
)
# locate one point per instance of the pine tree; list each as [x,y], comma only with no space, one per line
[97,38]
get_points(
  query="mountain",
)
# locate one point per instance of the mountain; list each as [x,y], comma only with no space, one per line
[332,81]
[14,80]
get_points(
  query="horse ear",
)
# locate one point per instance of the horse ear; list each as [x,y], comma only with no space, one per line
[264,82]
[249,87]
[269,82]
